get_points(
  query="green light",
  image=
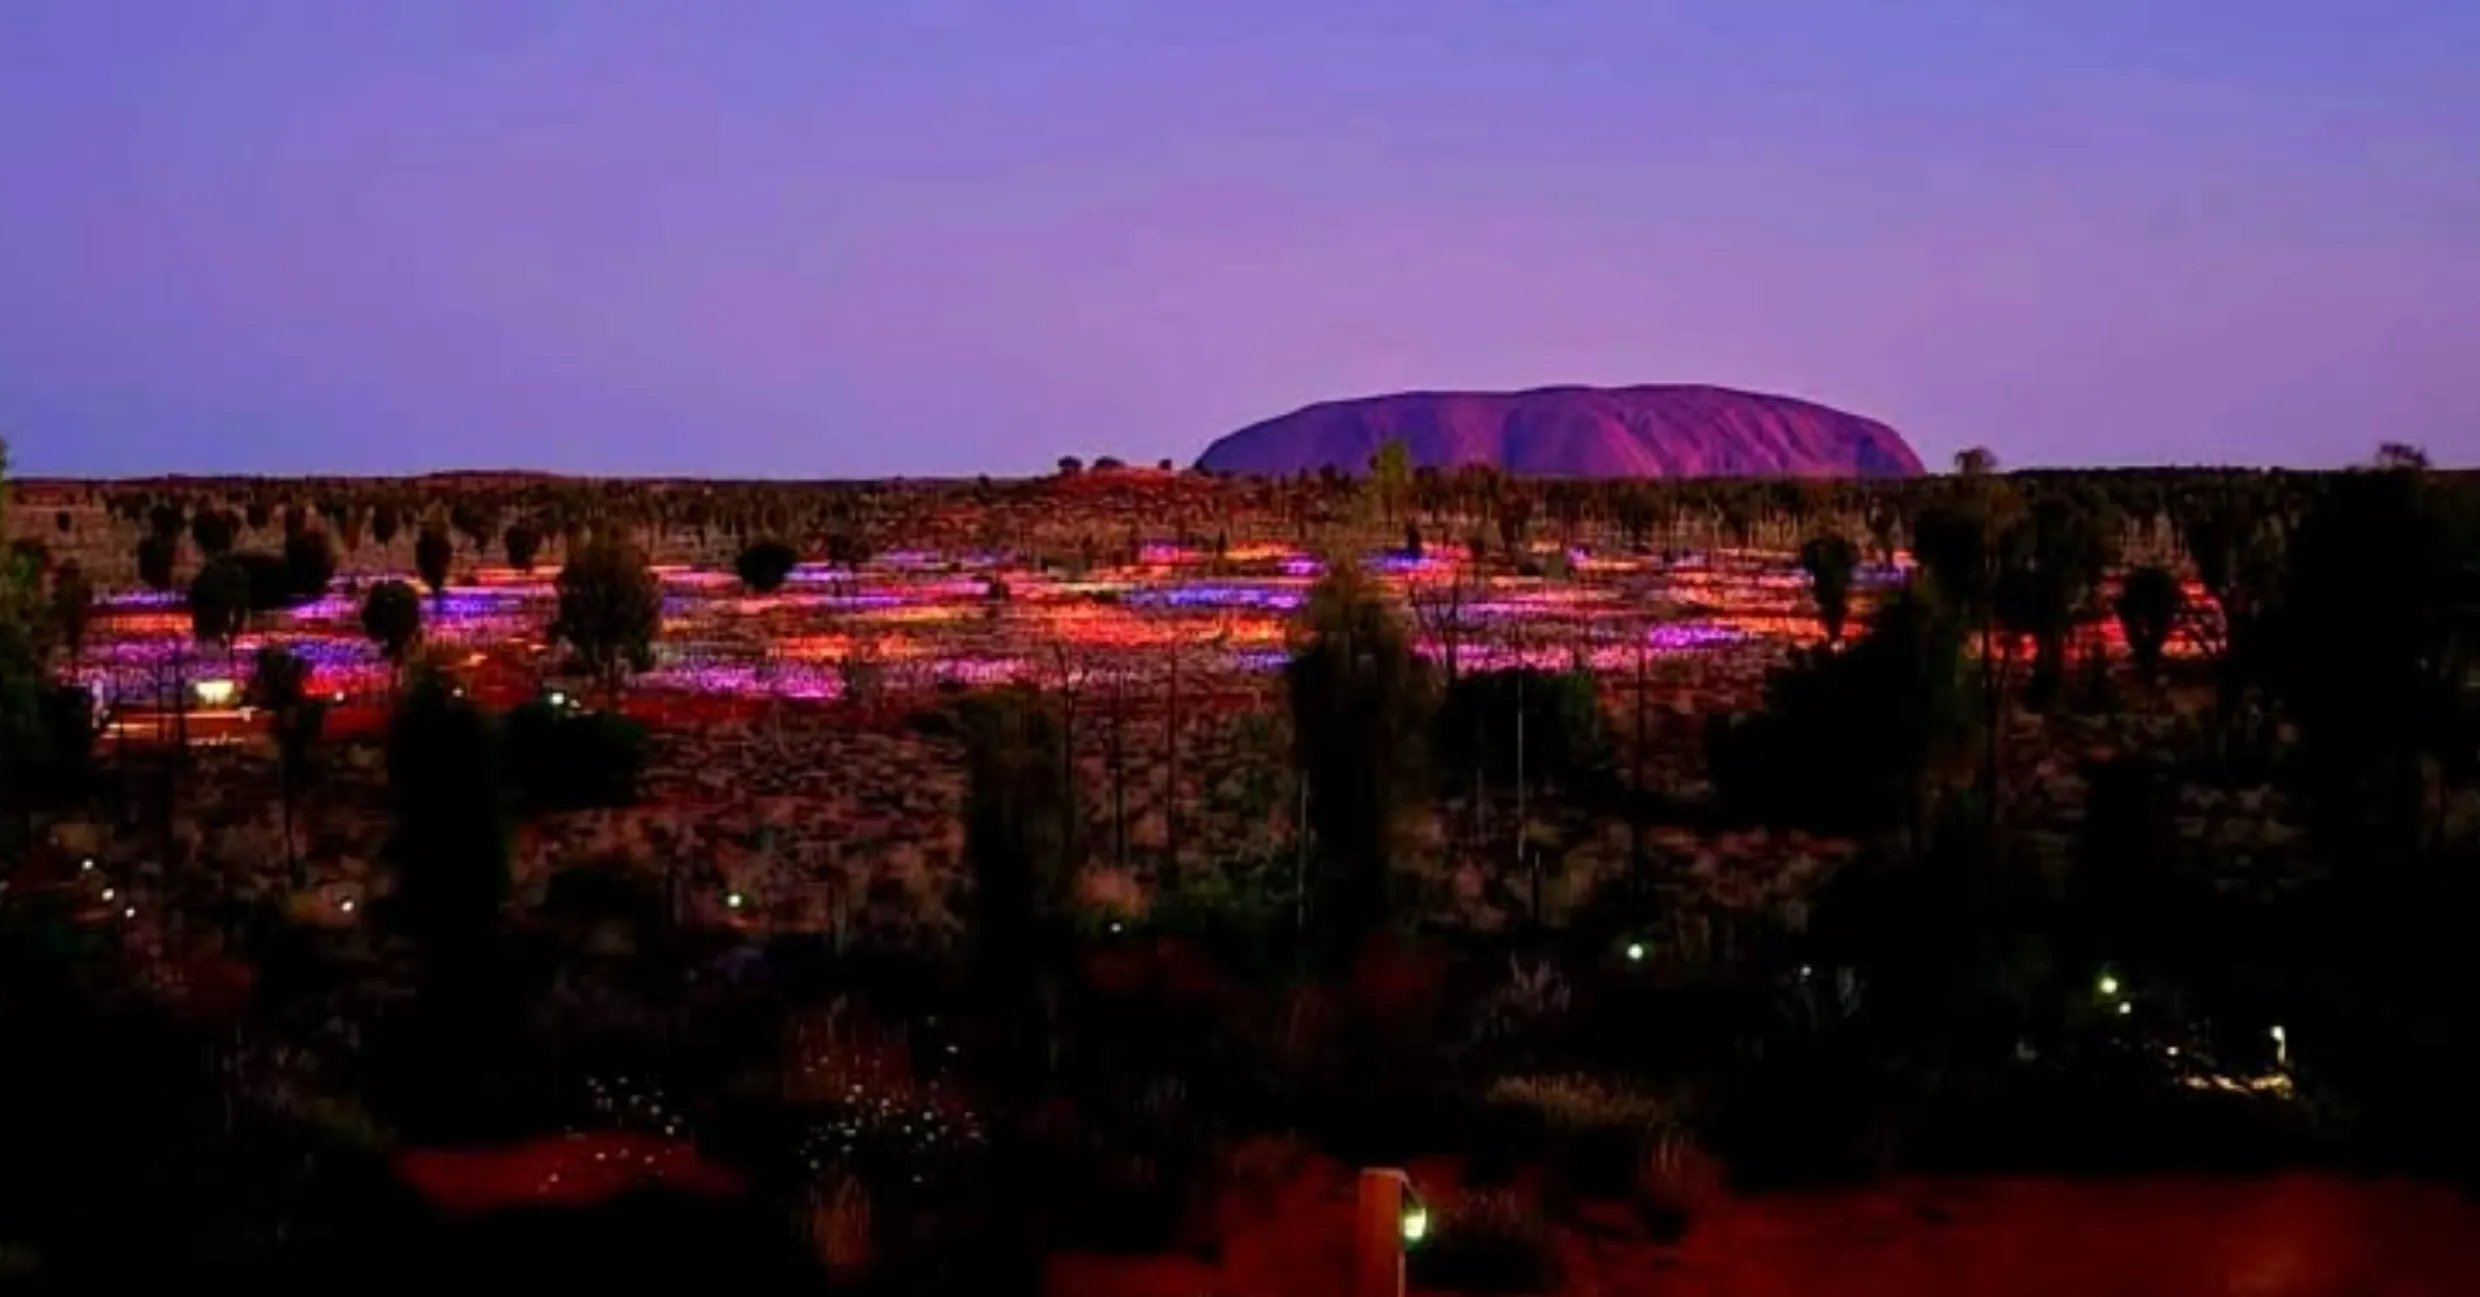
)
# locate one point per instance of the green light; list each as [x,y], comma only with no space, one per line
[2109,984]
[1636,952]
[1416,1224]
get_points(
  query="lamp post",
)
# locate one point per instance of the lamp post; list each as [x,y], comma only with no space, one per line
[1390,1220]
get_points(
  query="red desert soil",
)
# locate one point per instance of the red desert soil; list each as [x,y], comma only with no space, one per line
[2288,1236]
[1673,431]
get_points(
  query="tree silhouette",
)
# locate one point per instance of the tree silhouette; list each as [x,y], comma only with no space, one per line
[279,686]
[2398,456]
[392,619]
[384,521]
[1829,561]
[610,610]
[432,554]
[2374,638]
[448,841]
[2052,563]
[2150,600]
[1390,472]
[219,602]
[213,531]
[1360,703]
[73,609]
[522,541]
[157,554]
[764,566]
[24,726]
[309,564]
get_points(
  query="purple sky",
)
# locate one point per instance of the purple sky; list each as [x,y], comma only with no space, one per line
[863,237]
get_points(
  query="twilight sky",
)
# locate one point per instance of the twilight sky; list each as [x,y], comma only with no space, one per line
[863,237]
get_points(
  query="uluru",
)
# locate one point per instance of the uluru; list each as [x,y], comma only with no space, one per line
[1672,430]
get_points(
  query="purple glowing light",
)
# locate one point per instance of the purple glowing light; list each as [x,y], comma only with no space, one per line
[1269,599]
[143,599]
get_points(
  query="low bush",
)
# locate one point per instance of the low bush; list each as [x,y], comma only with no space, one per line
[563,759]
[1487,1242]
[1675,1180]
[1598,1131]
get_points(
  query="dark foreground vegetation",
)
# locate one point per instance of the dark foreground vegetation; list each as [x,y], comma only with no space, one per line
[440,1087]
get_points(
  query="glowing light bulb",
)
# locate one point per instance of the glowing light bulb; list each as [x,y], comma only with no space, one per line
[1416,1224]
[109,893]
[86,864]
[733,900]
[2125,1008]
[2109,984]
[130,913]
[345,905]
[2280,1037]
[558,699]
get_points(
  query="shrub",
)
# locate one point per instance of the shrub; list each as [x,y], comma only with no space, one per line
[569,760]
[1489,1242]
[1598,1131]
[1675,1180]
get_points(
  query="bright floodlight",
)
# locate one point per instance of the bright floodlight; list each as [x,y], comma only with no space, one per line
[733,899]
[216,693]
[1636,952]
[2280,1037]
[2125,1008]
[2109,984]
[558,699]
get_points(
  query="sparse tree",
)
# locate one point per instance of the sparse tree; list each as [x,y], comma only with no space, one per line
[1829,561]
[1360,702]
[2150,601]
[522,541]
[73,609]
[431,556]
[392,620]
[157,561]
[280,687]
[219,603]
[1390,471]
[610,610]
[2401,457]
